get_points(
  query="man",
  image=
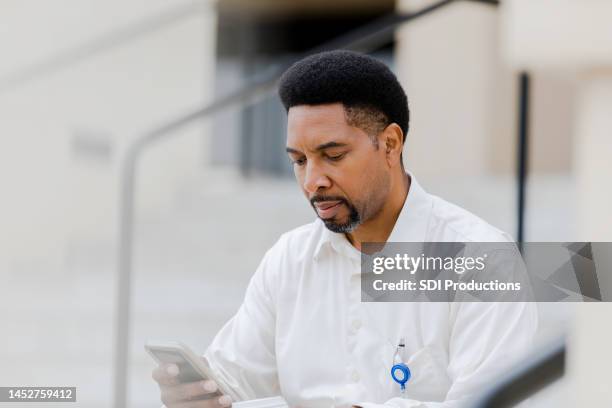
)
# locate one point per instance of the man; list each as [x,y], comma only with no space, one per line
[302,330]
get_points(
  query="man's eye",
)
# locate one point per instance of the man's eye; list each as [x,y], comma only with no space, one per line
[336,157]
[300,162]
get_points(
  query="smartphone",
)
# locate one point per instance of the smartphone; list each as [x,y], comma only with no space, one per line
[191,367]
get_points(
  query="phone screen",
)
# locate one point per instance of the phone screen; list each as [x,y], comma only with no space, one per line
[186,372]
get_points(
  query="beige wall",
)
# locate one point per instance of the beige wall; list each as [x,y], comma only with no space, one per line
[552,101]
[463,97]
[448,65]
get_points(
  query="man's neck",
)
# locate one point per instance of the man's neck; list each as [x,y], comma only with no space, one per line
[380,227]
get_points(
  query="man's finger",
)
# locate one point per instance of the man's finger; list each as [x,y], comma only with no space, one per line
[187,391]
[224,401]
[166,374]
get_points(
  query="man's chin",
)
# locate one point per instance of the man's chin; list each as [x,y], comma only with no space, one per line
[340,227]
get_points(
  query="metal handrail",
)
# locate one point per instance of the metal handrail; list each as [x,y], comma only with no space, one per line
[532,375]
[364,39]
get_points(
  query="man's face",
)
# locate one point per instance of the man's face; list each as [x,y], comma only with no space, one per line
[342,173]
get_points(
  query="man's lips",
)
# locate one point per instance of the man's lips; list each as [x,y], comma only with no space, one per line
[327,209]
[324,205]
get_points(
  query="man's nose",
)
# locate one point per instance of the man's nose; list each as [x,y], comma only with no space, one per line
[315,179]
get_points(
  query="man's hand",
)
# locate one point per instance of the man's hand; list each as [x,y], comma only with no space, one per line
[185,395]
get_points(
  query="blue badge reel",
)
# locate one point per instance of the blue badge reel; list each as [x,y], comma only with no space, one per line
[401,374]
[400,371]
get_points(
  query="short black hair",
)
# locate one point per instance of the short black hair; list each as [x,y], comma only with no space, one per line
[353,79]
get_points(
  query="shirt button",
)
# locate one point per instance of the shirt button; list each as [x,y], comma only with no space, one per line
[355,376]
[356,324]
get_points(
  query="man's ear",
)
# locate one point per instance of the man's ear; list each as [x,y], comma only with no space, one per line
[392,141]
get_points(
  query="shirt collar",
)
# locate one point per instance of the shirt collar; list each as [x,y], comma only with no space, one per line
[413,221]
[411,225]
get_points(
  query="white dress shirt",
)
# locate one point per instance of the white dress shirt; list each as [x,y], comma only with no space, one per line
[303,332]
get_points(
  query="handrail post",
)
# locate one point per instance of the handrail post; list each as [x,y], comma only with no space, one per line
[522,154]
[124,280]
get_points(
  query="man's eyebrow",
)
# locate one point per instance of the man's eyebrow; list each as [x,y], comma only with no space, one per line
[319,148]
[329,145]
[291,150]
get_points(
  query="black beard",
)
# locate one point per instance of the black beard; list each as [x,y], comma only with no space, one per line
[353,221]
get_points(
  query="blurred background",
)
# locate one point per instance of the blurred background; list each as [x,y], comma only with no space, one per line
[84,81]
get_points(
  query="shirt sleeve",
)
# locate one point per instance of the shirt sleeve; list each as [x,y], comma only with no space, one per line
[242,354]
[485,338]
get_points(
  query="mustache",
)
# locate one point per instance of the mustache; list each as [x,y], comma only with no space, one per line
[319,198]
